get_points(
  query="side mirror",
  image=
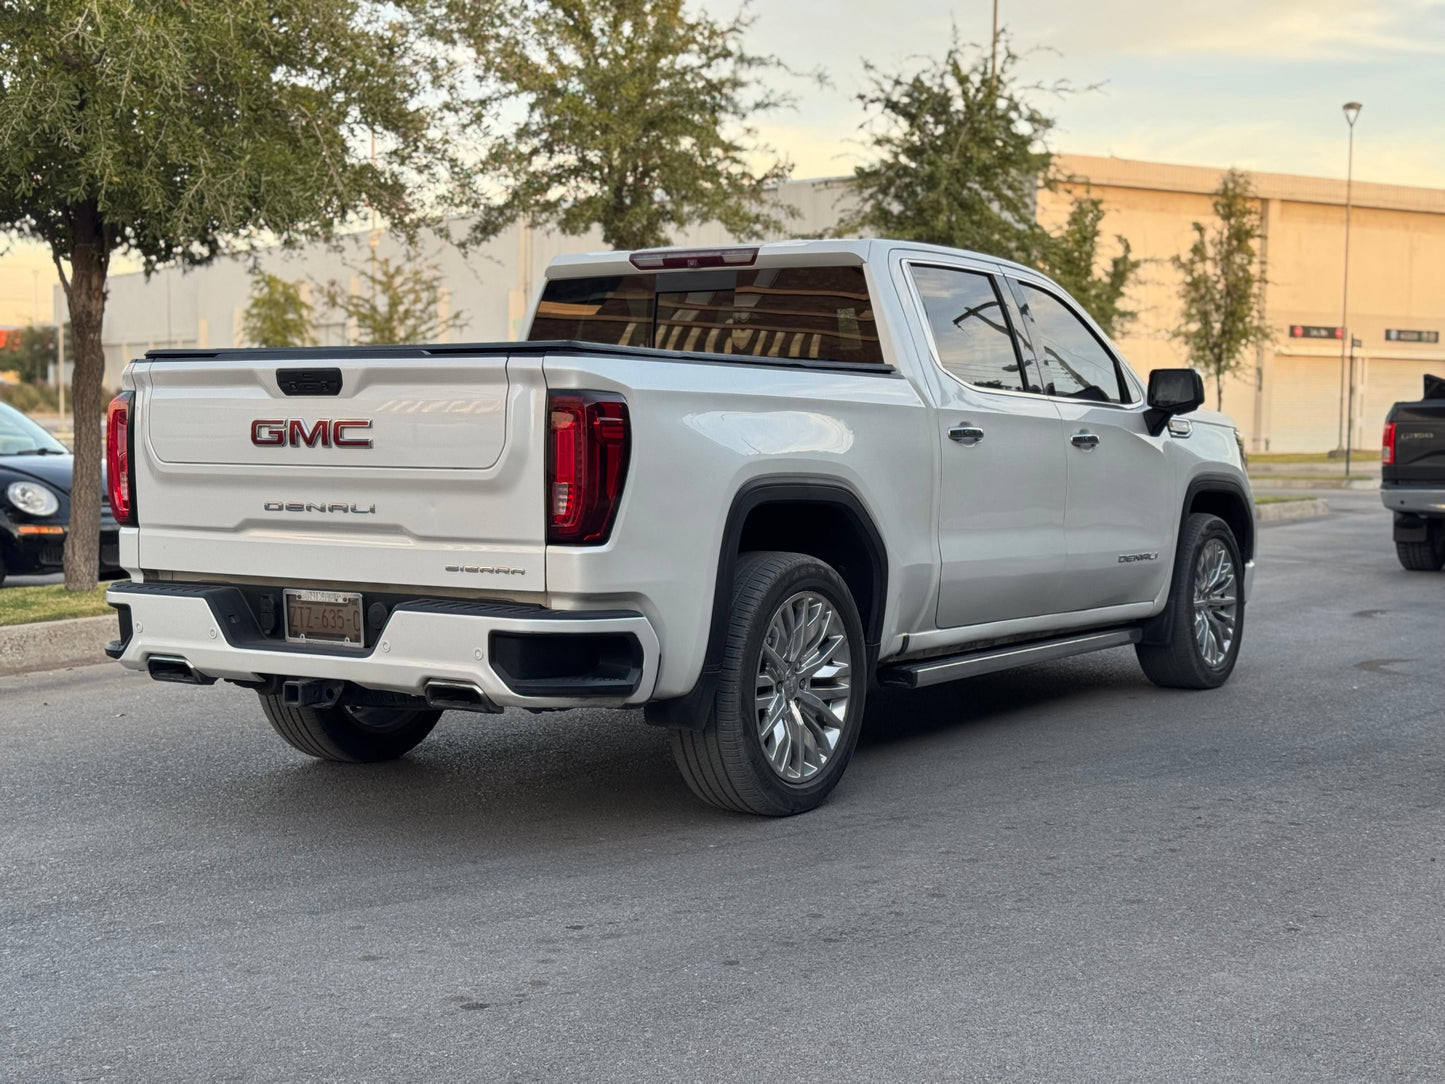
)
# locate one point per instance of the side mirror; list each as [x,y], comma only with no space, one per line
[1172,391]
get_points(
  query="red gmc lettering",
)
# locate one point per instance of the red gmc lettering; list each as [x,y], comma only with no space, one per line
[324,433]
[342,441]
[268,432]
[297,434]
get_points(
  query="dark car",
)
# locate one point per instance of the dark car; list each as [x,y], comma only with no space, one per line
[35,473]
[1412,477]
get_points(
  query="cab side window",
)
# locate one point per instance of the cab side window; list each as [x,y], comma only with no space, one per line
[970,327]
[1072,361]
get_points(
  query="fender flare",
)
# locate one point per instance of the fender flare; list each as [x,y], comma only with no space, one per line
[691,711]
[1156,629]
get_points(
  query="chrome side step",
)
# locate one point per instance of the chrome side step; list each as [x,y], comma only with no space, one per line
[915,675]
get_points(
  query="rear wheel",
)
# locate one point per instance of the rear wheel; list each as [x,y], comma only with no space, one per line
[350,735]
[1206,607]
[789,703]
[1426,556]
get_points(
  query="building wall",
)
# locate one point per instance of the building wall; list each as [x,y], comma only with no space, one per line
[1287,397]
[1291,393]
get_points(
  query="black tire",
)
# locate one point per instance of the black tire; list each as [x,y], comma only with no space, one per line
[725,763]
[1179,663]
[1427,556]
[349,735]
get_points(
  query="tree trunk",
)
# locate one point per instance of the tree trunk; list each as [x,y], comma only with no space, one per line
[85,292]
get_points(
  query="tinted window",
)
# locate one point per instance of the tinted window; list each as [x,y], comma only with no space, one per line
[970,328]
[1072,360]
[616,311]
[811,313]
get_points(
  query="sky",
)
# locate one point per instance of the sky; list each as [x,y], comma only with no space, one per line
[1257,84]
[1251,83]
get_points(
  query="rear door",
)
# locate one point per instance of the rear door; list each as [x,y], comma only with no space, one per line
[1121,513]
[401,470]
[1001,508]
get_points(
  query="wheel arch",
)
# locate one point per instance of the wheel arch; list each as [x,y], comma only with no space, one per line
[1225,497]
[763,516]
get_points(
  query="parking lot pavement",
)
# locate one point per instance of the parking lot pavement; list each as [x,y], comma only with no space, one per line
[1058,873]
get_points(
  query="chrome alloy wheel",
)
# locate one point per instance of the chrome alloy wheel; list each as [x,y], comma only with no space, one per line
[803,686]
[1216,602]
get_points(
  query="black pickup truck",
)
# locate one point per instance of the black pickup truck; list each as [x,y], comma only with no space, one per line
[1412,477]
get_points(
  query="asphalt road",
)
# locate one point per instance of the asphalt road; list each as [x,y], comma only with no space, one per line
[1060,873]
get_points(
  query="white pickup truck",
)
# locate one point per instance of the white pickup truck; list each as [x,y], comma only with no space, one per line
[737,486]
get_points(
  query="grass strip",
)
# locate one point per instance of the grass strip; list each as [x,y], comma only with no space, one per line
[50,602]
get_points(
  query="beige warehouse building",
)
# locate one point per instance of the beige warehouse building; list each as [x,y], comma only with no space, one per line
[1287,399]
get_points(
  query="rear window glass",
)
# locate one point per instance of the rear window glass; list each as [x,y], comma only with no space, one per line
[788,313]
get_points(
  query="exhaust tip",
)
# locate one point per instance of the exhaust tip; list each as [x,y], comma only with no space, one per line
[176,669]
[459,696]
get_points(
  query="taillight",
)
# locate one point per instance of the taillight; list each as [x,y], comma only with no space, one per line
[119,470]
[1387,449]
[587,447]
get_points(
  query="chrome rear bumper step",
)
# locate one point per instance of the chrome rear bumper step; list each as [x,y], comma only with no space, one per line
[936,671]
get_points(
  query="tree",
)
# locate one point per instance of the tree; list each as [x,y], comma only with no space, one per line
[400,302]
[31,352]
[175,130]
[959,156]
[1071,257]
[636,120]
[1222,291]
[959,159]
[279,314]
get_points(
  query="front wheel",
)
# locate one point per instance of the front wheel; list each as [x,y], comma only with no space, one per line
[789,703]
[349,735]
[1206,608]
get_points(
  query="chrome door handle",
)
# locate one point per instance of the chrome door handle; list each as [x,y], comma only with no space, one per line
[967,435]
[1085,440]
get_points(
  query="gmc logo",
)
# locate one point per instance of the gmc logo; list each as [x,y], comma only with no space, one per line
[280,432]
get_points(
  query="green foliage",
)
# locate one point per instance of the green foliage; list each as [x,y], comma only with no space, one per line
[959,157]
[176,129]
[636,120]
[278,315]
[400,302]
[1222,291]
[1071,257]
[31,352]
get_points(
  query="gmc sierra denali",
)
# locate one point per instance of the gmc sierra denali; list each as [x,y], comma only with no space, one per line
[737,486]
[1412,477]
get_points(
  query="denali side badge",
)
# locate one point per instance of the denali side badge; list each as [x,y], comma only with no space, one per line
[280,432]
[1130,558]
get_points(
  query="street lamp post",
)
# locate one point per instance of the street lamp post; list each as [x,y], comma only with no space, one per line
[1352,112]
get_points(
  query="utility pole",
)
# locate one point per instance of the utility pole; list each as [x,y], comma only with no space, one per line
[1352,112]
[993,61]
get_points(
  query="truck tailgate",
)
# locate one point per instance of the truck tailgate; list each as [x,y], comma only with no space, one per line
[419,470]
[1419,444]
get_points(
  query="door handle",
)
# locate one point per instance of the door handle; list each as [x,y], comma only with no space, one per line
[967,435]
[1085,440]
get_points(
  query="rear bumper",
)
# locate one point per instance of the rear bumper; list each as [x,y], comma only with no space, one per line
[519,656]
[1421,500]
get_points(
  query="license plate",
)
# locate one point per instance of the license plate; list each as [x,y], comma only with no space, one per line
[323,617]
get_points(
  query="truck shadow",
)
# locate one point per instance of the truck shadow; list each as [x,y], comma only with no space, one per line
[492,785]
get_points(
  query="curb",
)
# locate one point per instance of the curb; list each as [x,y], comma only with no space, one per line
[1282,511]
[51,645]
[1265,481]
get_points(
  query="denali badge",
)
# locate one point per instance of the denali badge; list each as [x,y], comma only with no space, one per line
[307,506]
[279,432]
[1130,558]
[488,570]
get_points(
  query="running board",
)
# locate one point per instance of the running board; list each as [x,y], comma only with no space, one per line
[915,675]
